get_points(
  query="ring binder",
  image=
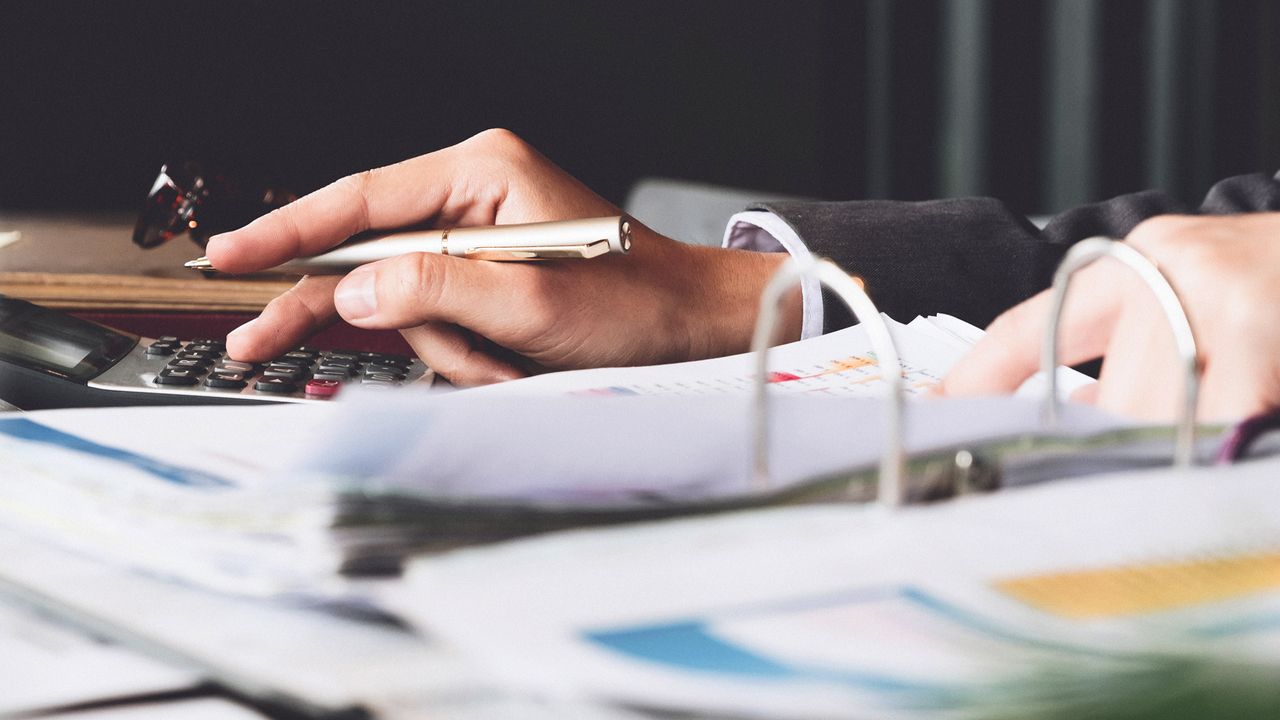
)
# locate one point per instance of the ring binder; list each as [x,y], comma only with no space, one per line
[1087,251]
[893,460]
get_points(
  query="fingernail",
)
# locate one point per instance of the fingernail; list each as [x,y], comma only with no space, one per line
[215,241]
[355,296]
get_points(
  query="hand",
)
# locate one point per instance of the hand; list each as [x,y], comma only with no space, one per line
[1226,271]
[476,321]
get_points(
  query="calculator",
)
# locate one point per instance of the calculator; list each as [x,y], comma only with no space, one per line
[49,359]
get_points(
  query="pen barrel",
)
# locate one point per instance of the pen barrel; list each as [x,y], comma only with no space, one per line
[615,229]
[467,241]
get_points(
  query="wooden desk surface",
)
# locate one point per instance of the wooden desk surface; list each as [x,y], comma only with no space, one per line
[88,243]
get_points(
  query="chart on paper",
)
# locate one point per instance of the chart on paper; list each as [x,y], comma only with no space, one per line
[841,363]
[854,375]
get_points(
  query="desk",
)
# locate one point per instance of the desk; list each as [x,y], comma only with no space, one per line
[145,292]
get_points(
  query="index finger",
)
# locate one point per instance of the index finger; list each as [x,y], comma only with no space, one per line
[1010,351]
[385,197]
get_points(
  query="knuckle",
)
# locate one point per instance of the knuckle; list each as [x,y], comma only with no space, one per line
[356,186]
[501,142]
[418,281]
[1157,235]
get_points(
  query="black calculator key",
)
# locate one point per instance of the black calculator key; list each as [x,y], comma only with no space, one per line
[236,366]
[204,348]
[331,376]
[193,364]
[162,348]
[225,380]
[168,339]
[177,376]
[302,354]
[340,362]
[341,355]
[189,354]
[336,370]
[278,370]
[381,378]
[210,342]
[396,370]
[278,385]
[282,361]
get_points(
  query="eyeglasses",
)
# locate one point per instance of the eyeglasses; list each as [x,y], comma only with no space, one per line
[186,198]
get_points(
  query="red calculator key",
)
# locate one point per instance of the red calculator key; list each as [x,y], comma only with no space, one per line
[322,388]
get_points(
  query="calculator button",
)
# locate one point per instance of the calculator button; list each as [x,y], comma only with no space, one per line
[290,372]
[290,362]
[341,355]
[204,347]
[338,371]
[330,376]
[159,348]
[193,364]
[211,343]
[177,376]
[340,362]
[378,384]
[189,354]
[225,380]
[307,356]
[276,385]
[372,368]
[323,388]
[171,339]
[236,366]
[385,378]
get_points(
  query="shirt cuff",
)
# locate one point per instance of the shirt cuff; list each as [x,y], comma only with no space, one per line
[763,231]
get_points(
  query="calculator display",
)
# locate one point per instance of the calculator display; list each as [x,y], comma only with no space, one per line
[56,343]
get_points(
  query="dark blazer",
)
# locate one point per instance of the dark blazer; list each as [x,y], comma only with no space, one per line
[973,257]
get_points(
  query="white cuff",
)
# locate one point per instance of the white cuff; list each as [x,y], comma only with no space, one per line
[763,231]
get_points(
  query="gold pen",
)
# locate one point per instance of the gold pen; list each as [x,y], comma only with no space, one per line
[557,240]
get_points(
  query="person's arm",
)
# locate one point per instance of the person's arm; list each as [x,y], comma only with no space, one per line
[476,321]
[1226,271]
[968,257]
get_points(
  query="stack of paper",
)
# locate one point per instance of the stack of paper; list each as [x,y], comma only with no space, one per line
[1152,595]
[277,499]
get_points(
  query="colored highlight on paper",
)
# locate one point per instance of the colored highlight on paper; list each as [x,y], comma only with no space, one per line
[1136,589]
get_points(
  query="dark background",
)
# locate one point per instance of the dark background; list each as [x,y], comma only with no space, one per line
[773,96]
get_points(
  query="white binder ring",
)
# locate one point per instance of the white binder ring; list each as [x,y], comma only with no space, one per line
[892,462]
[1085,252]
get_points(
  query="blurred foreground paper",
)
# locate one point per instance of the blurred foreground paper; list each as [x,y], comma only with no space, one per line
[45,665]
[1134,596]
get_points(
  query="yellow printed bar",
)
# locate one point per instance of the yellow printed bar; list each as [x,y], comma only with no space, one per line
[1135,589]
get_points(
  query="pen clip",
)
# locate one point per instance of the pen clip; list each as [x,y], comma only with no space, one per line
[540,252]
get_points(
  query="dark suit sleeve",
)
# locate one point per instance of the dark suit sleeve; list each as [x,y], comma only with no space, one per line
[973,257]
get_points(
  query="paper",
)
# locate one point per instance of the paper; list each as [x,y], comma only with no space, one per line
[45,665]
[293,650]
[636,451]
[669,433]
[839,363]
[983,605]
[197,493]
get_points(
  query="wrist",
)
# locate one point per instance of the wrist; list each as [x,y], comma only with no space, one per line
[727,301]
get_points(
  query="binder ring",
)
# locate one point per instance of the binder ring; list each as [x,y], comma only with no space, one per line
[892,462]
[1085,252]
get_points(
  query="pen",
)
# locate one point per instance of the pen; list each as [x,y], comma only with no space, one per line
[561,239]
